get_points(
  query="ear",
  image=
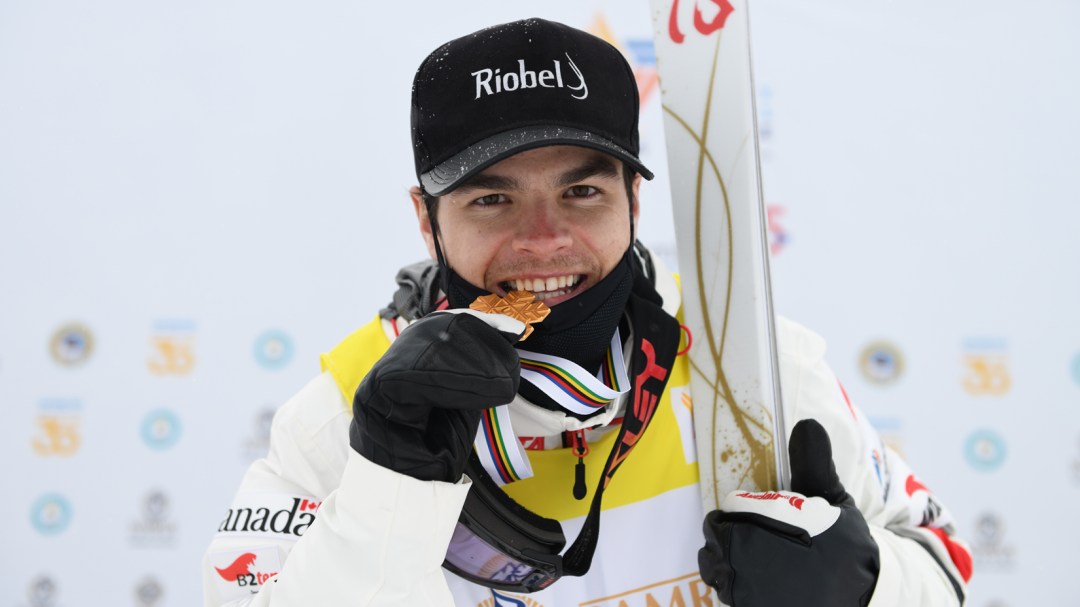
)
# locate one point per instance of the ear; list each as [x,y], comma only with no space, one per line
[422,219]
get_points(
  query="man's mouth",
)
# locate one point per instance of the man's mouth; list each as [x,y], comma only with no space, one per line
[545,288]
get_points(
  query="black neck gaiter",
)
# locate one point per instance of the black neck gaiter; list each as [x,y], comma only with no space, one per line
[579,329]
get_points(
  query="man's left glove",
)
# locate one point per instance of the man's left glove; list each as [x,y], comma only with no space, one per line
[418,410]
[808,547]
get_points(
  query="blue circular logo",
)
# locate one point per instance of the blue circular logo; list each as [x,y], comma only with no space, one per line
[160,429]
[985,450]
[273,349]
[1076,369]
[50,514]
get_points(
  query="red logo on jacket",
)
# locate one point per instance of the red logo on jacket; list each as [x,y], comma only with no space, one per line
[240,572]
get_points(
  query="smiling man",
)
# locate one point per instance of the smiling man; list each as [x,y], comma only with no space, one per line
[525,384]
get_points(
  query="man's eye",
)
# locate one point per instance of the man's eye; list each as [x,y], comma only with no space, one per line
[490,199]
[582,191]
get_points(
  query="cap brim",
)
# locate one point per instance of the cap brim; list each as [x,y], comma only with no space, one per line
[453,172]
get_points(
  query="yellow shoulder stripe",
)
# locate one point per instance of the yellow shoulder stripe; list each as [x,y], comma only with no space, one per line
[351,360]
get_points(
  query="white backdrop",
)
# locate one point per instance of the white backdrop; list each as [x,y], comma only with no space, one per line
[196,199]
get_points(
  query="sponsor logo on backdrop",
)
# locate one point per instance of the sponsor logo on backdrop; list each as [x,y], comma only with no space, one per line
[239,573]
[687,590]
[990,549]
[986,366]
[506,599]
[153,528]
[57,427]
[43,592]
[881,362]
[273,349]
[72,344]
[148,592]
[258,443]
[51,514]
[1076,369]
[269,515]
[160,429]
[640,53]
[778,236]
[985,450]
[172,348]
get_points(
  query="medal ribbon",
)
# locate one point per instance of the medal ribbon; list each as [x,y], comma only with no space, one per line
[498,448]
[571,386]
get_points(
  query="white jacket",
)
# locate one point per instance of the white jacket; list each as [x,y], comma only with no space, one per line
[379,537]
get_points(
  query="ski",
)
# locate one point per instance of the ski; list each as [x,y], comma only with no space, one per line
[706,86]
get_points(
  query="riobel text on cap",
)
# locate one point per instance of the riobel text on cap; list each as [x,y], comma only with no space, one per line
[493,82]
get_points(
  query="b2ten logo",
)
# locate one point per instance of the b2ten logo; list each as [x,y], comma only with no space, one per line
[240,572]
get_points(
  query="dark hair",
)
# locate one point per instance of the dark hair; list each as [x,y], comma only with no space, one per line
[431,203]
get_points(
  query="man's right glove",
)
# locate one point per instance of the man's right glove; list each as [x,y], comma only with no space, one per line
[418,410]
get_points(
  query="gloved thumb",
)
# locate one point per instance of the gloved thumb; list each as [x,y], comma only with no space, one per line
[813,472]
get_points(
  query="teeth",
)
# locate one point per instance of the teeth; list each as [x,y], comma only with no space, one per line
[550,287]
[549,294]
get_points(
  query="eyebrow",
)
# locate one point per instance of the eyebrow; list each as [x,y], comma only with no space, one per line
[484,181]
[597,166]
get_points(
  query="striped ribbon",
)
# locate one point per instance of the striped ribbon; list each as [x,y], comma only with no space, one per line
[574,388]
[500,452]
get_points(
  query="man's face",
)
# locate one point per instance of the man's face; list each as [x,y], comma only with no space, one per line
[553,220]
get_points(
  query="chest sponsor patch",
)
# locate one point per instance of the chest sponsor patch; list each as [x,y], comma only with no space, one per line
[275,515]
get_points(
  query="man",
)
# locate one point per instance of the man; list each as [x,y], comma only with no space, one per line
[542,323]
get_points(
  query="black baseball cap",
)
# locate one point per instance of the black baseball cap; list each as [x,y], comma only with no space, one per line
[517,86]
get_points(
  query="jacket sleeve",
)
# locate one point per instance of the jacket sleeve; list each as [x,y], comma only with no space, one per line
[379,537]
[922,561]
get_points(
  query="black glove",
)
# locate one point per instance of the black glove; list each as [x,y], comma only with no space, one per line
[418,409]
[810,547]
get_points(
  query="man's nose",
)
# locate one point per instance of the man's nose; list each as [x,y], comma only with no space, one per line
[542,230]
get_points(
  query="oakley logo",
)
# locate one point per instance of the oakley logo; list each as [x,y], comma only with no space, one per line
[493,82]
